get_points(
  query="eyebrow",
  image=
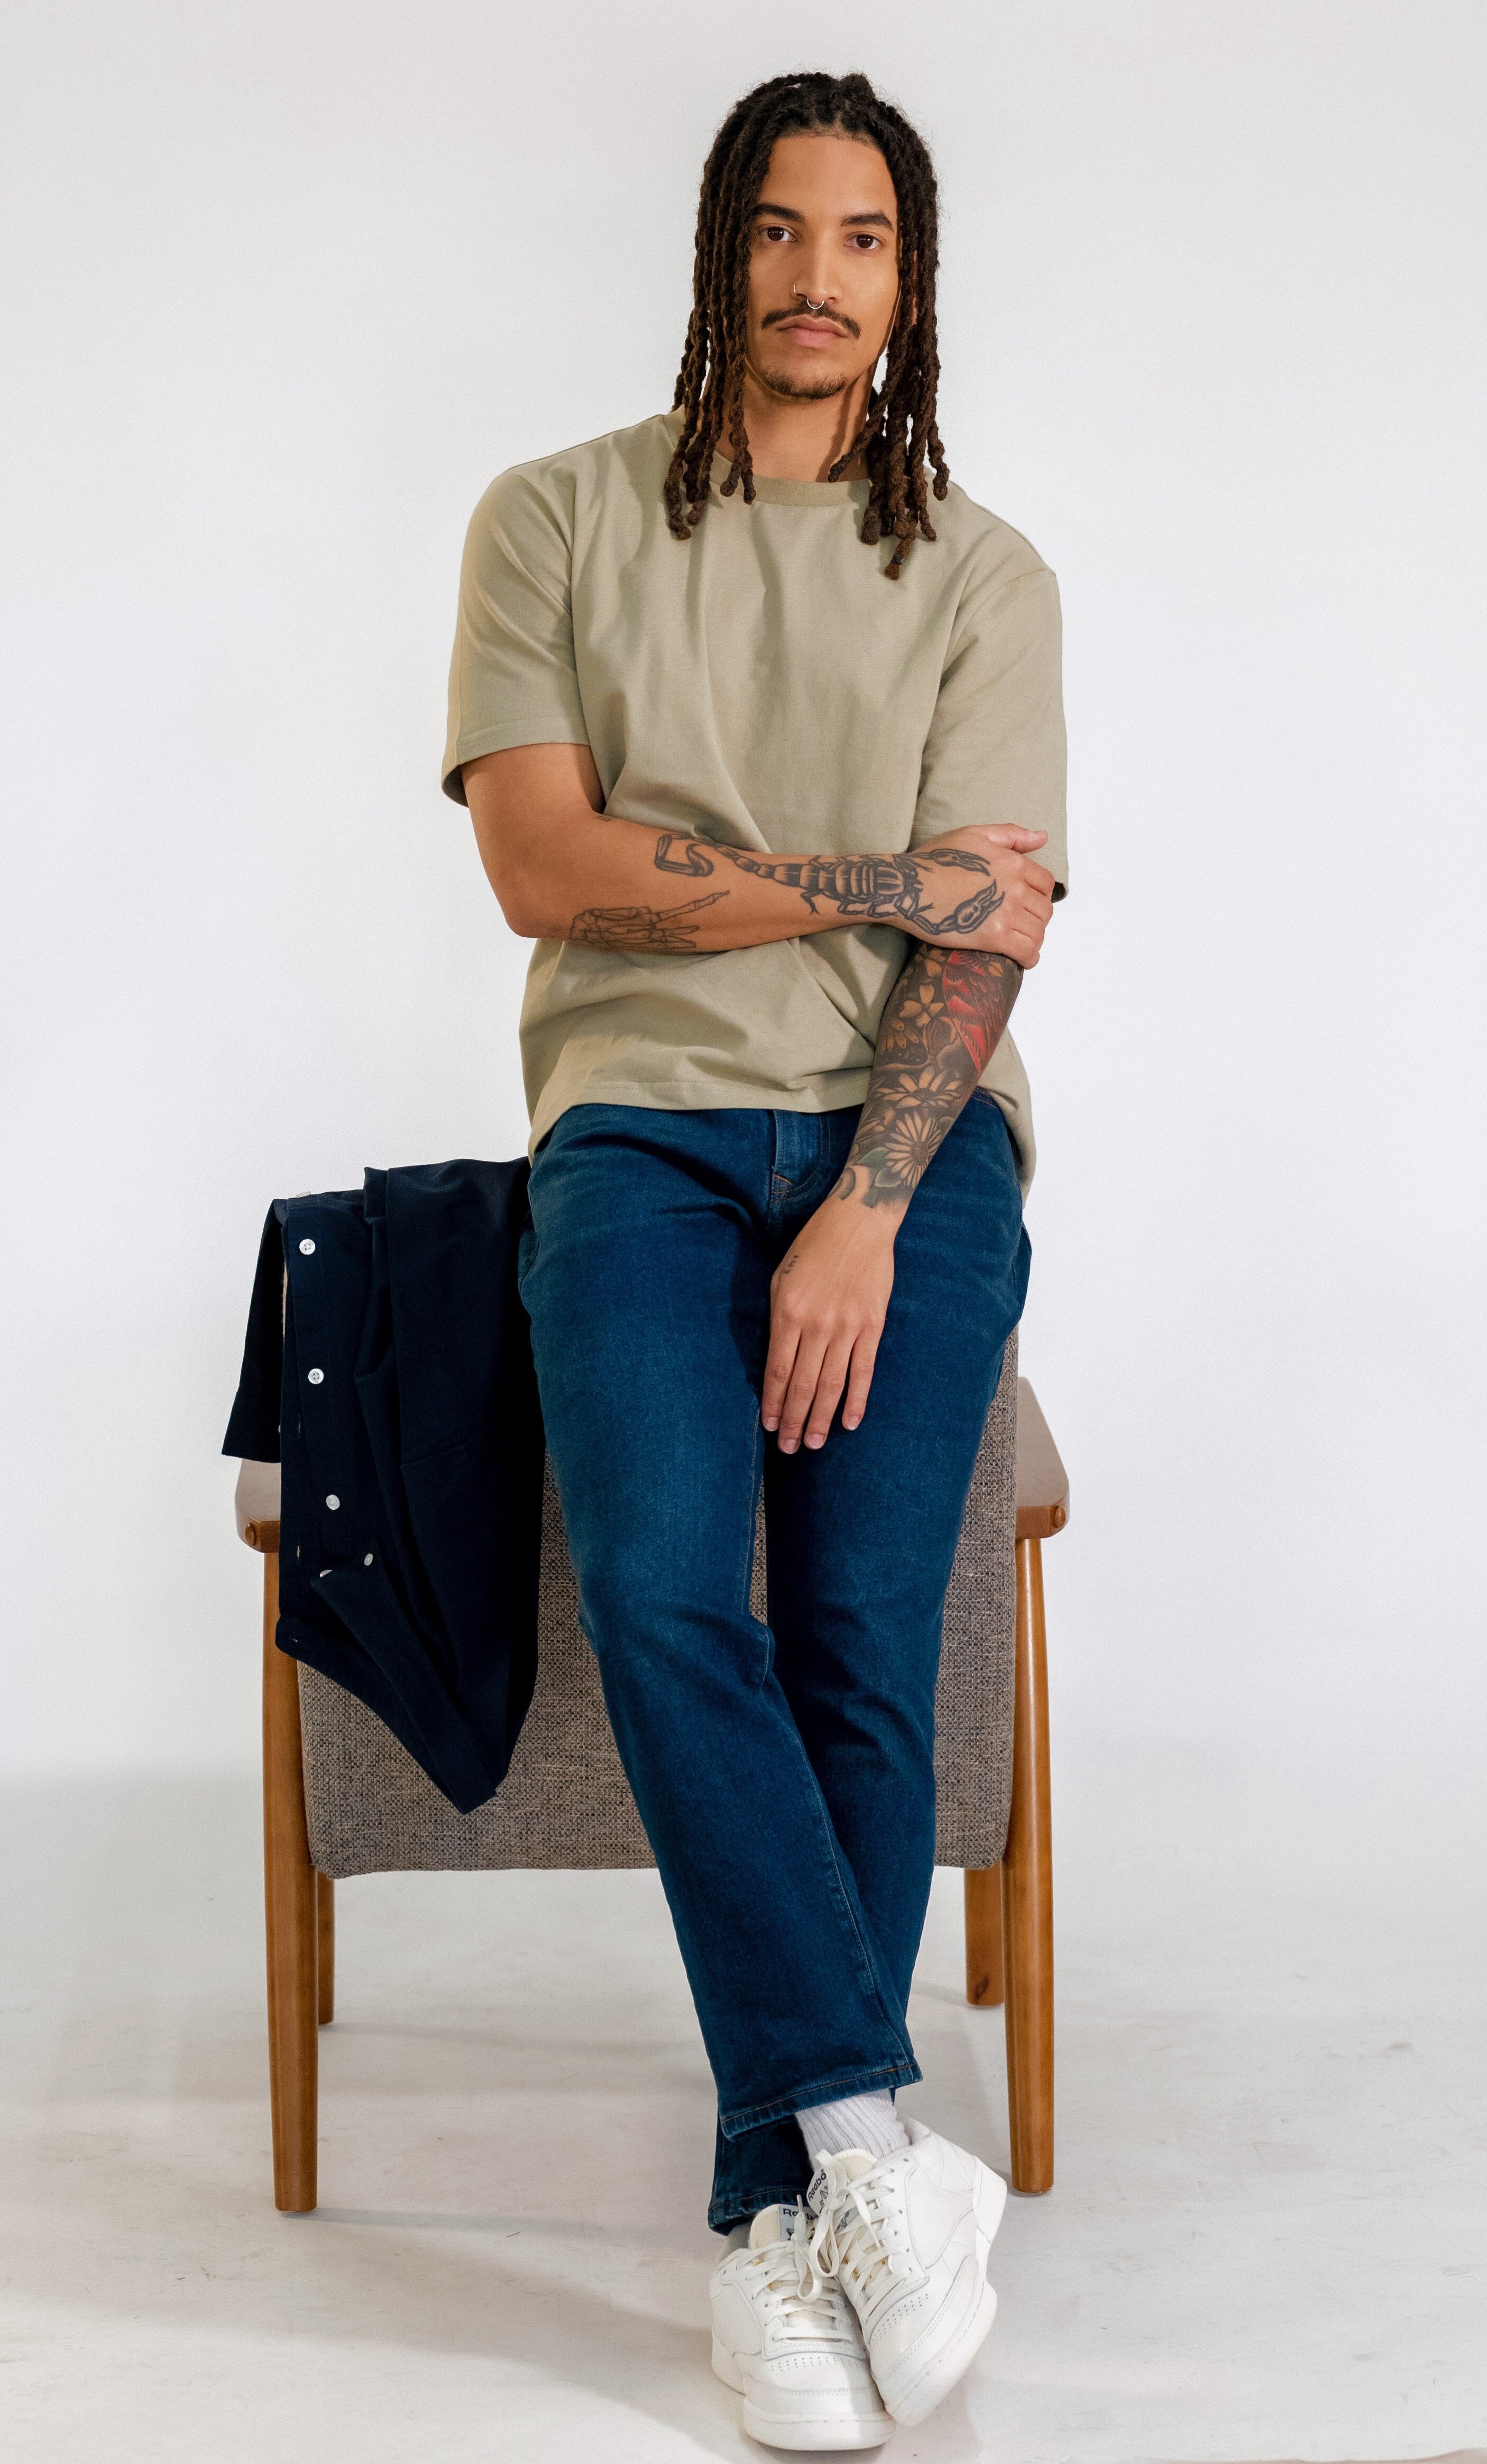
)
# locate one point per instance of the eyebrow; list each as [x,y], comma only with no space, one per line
[794,214]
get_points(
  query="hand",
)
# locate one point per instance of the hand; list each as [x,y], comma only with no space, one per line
[1015,925]
[827,1299]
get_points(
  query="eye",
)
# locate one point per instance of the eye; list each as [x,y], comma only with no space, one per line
[865,243]
[773,232]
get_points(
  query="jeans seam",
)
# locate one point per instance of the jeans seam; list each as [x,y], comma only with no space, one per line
[828,1838]
[827,1844]
[823,1178]
[818,1183]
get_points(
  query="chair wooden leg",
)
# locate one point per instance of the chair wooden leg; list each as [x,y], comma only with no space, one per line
[984,1936]
[325,1946]
[289,1903]
[1027,1896]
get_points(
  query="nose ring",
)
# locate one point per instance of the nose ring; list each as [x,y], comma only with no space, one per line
[817,304]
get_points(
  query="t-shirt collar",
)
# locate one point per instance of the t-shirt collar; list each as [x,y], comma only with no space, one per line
[823,493]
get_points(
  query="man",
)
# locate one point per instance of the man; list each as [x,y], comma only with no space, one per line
[760,754]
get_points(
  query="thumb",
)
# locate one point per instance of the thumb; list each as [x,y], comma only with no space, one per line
[1006,834]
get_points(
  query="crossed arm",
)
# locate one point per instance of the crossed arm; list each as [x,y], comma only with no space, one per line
[977,904]
[564,871]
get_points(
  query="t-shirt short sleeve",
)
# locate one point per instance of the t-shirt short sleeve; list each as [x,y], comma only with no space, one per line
[512,679]
[995,750]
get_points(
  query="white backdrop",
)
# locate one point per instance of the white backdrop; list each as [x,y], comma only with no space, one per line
[284,288]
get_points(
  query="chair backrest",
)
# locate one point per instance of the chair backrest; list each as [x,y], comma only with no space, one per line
[566,1801]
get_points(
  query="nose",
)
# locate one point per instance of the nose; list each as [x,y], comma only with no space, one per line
[816,281]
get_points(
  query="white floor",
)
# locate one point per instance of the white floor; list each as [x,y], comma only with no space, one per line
[1266,2238]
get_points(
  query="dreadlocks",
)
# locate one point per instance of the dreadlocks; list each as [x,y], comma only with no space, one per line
[898,428]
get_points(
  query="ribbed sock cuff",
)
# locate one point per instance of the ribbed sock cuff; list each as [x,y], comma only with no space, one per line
[866,2121]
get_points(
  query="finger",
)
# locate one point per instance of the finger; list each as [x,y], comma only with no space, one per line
[1010,834]
[800,1393]
[784,1340]
[827,1393]
[1032,914]
[1033,880]
[1006,935]
[864,1353]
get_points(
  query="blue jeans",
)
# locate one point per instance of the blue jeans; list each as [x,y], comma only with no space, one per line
[783,1772]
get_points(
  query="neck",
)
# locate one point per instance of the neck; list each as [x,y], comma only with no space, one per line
[790,439]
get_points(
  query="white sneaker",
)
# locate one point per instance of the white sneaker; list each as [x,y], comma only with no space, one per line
[788,2342]
[908,2236]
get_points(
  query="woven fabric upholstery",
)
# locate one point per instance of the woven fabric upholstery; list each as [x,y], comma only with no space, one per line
[566,1801]
[973,1703]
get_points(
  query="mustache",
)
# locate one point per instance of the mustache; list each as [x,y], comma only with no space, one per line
[822,316]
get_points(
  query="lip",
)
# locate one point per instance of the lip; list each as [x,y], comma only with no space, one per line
[811,330]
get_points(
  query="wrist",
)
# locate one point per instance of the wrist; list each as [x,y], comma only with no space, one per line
[878,1206]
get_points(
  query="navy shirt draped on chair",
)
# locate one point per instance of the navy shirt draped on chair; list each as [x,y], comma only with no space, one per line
[388,1368]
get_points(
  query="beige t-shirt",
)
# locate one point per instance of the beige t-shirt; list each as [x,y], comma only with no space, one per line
[766,687]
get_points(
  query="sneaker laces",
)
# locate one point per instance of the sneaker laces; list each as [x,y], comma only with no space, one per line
[851,2229]
[790,2283]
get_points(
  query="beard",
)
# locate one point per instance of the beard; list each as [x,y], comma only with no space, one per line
[793,388]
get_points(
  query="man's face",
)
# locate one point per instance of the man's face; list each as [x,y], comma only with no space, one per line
[826,230]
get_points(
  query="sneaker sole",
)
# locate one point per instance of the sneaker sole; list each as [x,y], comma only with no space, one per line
[799,2437]
[915,2401]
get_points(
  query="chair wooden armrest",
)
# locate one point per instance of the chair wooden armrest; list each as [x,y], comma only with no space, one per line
[256,1506]
[1042,1482]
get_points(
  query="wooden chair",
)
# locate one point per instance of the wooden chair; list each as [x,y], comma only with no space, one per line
[342,1796]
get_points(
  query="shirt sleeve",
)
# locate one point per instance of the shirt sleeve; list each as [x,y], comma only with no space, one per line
[995,750]
[512,679]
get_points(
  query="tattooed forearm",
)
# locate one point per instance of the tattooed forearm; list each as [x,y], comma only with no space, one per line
[642,928]
[906,891]
[692,859]
[944,1019]
[883,888]
[910,892]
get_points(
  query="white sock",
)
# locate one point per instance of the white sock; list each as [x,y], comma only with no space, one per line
[866,2121]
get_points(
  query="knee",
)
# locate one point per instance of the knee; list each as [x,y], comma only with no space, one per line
[675,1619]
